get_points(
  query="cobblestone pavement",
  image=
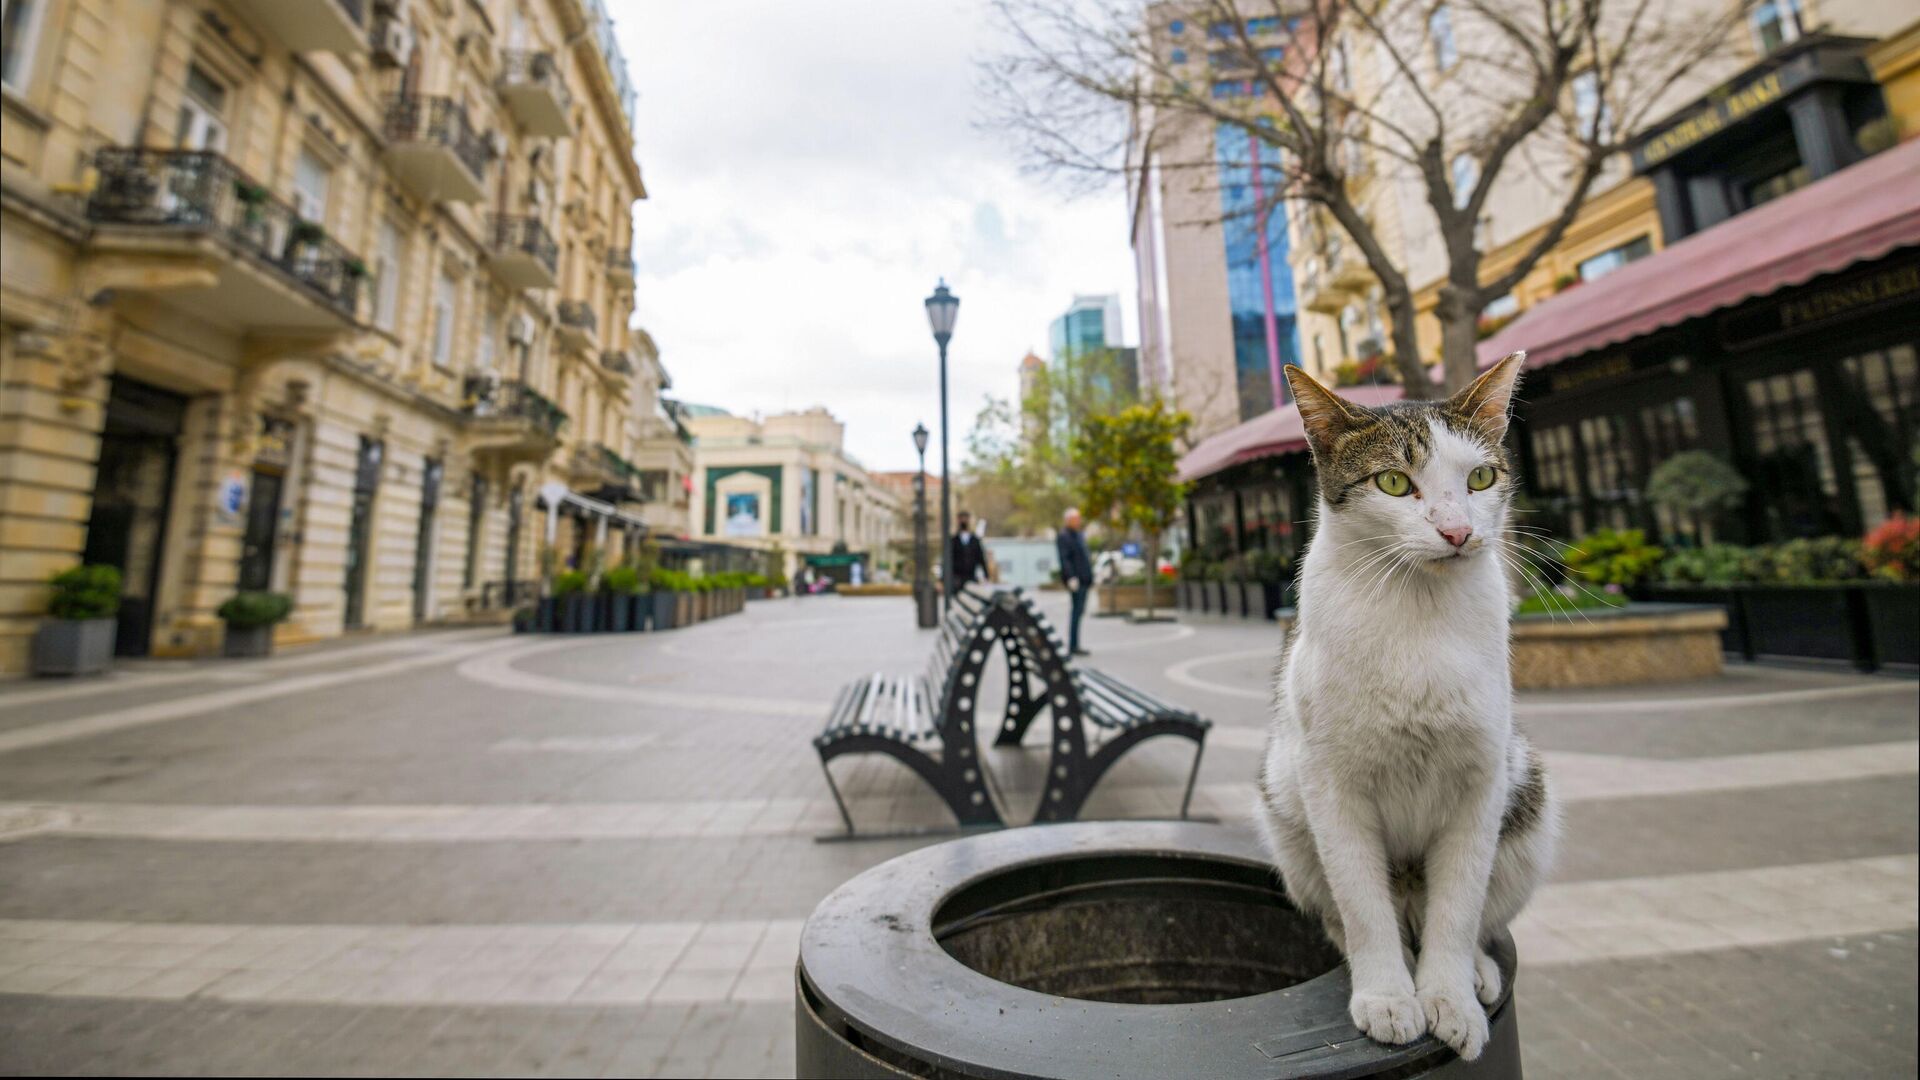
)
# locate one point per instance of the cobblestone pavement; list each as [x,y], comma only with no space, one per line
[465,852]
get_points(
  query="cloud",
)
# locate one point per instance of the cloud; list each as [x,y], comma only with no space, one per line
[812,170]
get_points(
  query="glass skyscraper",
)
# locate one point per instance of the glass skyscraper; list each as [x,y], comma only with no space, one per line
[1259,279]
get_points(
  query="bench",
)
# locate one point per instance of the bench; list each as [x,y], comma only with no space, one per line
[926,721]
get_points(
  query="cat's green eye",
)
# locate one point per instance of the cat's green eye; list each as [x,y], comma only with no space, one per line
[1481,478]
[1394,482]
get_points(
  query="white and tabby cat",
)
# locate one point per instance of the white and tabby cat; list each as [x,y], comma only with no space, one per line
[1398,800]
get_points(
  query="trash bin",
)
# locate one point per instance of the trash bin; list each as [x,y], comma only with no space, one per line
[1097,949]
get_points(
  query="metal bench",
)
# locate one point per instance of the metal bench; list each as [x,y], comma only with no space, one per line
[926,721]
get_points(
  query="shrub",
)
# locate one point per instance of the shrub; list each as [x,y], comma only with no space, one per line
[85,592]
[1696,482]
[1612,557]
[1892,549]
[1268,567]
[621,581]
[1712,564]
[1567,598]
[1810,560]
[569,582]
[666,580]
[248,609]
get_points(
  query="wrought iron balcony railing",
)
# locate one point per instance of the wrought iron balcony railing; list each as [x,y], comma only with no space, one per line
[488,398]
[536,69]
[199,191]
[439,120]
[620,261]
[525,236]
[611,460]
[577,315]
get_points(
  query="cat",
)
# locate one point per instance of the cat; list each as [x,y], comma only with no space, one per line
[1397,798]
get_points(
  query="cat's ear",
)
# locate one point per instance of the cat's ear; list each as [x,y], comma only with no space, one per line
[1325,415]
[1488,401]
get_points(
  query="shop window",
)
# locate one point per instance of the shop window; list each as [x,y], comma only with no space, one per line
[1884,388]
[1556,481]
[19,35]
[1775,23]
[1667,429]
[1798,493]
[1613,259]
[1612,472]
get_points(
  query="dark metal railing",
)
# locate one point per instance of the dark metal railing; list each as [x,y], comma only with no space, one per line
[611,460]
[538,69]
[617,361]
[489,398]
[438,120]
[620,260]
[527,236]
[200,191]
[578,315]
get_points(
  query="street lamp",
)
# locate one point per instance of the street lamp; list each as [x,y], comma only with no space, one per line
[942,309]
[922,573]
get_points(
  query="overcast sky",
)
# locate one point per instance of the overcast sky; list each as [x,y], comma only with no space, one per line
[812,168]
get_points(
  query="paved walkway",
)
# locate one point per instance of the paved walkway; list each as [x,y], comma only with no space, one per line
[466,852]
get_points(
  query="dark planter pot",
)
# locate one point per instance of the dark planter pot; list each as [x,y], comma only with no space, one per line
[523,621]
[244,641]
[1893,618]
[73,646]
[543,615]
[619,613]
[1273,597]
[1222,590]
[666,605]
[756,592]
[1252,596]
[639,611]
[1022,953]
[574,612]
[1798,620]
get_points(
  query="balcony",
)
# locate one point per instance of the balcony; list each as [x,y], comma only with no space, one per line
[530,83]
[524,254]
[618,361]
[620,265]
[511,418]
[190,228]
[335,26]
[578,326]
[600,471]
[434,151]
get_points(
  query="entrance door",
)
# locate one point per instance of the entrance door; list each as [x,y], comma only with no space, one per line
[263,529]
[366,482]
[131,486]
[423,542]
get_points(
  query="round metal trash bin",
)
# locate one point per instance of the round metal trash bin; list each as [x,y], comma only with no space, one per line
[1098,949]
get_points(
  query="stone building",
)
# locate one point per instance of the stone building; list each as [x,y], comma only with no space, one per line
[786,481]
[315,297]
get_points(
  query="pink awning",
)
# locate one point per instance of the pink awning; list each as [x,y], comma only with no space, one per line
[1279,431]
[1855,215]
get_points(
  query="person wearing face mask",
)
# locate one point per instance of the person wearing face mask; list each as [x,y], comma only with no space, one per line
[1076,573]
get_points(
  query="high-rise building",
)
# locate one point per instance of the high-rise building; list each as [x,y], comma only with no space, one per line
[330,298]
[1090,323]
[1217,304]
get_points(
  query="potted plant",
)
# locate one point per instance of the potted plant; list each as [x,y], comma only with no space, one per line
[665,597]
[250,617]
[571,612]
[1891,553]
[756,586]
[77,637]
[622,586]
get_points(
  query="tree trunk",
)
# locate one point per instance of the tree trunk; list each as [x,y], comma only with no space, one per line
[1406,348]
[1460,348]
[1153,569]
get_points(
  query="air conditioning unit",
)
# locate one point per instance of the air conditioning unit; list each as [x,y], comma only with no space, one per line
[520,330]
[497,144]
[392,43]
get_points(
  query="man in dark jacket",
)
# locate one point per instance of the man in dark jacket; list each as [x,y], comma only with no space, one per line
[965,556]
[1076,573]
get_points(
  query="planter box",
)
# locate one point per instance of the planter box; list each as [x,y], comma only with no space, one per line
[619,609]
[572,614]
[1893,618]
[665,607]
[245,641]
[756,592]
[684,609]
[543,615]
[1273,597]
[74,646]
[1867,624]
[1253,597]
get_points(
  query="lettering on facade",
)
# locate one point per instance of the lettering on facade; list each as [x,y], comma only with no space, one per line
[1606,370]
[1811,308]
[1714,118]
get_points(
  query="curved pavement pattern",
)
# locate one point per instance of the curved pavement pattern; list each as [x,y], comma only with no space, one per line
[465,852]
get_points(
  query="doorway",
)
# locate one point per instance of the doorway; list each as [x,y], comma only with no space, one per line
[131,495]
[423,540]
[366,483]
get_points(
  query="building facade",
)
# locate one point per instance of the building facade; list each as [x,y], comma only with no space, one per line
[314,297]
[786,483]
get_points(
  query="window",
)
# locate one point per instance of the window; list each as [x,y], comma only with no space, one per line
[1179,56]
[388,262]
[1593,119]
[1440,29]
[483,350]
[1775,23]
[1177,27]
[311,178]
[19,31]
[444,292]
[1466,173]
[202,124]
[1232,88]
[1608,261]
[1500,308]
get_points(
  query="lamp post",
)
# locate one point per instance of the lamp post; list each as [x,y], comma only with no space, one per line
[942,309]
[923,604]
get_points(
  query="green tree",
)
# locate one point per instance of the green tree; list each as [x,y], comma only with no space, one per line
[1131,464]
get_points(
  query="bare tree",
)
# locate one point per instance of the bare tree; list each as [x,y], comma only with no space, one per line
[1456,100]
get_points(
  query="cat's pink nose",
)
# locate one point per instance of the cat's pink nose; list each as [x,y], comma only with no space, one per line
[1457,535]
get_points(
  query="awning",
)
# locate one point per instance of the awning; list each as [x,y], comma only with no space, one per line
[556,495]
[1279,431]
[1858,214]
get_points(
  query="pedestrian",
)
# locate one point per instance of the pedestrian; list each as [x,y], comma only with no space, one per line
[965,556]
[1076,573]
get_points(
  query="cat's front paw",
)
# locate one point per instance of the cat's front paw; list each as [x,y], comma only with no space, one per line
[1486,978]
[1456,1017]
[1388,1016]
